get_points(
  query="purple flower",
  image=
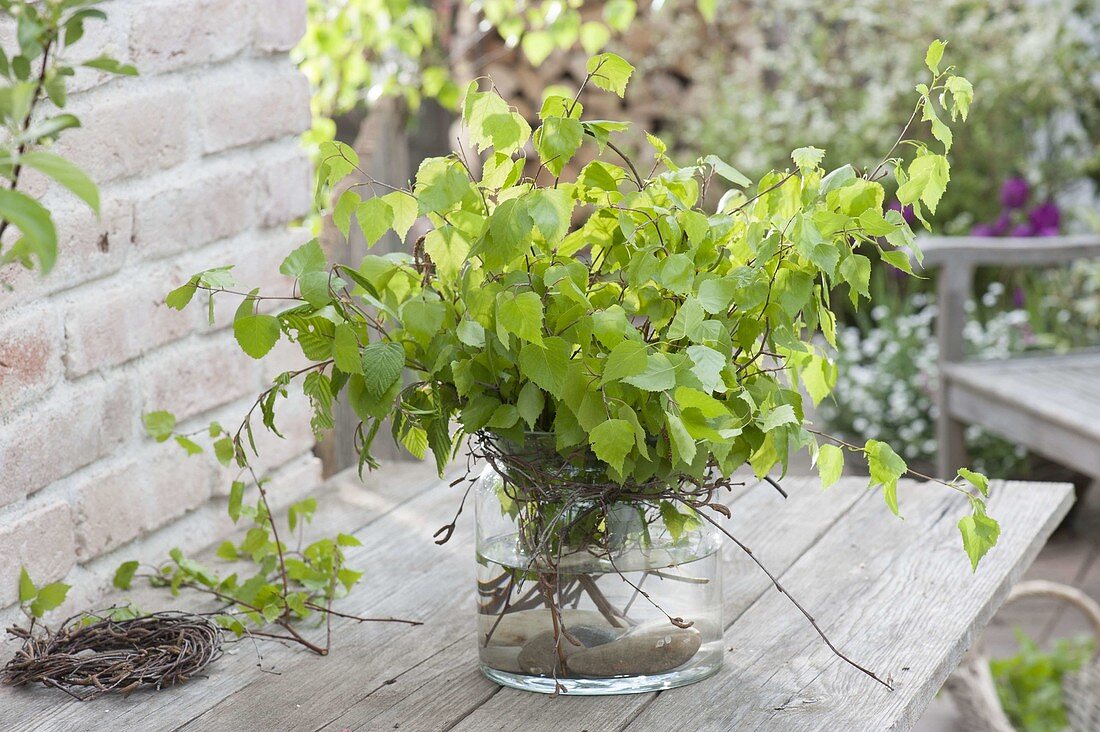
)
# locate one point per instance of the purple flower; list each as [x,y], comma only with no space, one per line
[1024,229]
[1019,298]
[1014,193]
[982,230]
[1002,225]
[1046,217]
[906,211]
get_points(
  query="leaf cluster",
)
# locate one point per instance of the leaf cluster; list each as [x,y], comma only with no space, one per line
[35,77]
[271,582]
[1029,684]
[37,601]
[660,337]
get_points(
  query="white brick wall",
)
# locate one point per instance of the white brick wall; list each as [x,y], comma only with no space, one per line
[199,165]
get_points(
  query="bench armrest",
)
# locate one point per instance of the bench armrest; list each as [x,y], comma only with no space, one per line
[978,251]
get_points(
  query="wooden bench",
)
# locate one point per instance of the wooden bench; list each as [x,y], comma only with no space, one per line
[897,596]
[1049,404]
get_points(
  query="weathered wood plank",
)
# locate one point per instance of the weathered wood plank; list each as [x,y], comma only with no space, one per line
[1011,251]
[1048,403]
[898,598]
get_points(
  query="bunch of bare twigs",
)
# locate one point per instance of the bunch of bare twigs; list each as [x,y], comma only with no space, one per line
[93,654]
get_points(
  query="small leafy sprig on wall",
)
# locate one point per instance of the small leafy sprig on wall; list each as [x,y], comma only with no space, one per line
[35,89]
[667,343]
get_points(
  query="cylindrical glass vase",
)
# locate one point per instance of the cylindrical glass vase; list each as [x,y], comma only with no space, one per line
[588,596]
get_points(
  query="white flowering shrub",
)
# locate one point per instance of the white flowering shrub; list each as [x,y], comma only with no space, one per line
[888,373]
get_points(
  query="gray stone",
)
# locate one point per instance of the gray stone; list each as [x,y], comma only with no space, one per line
[540,654]
[517,628]
[650,651]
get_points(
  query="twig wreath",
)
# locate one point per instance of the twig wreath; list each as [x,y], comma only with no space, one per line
[97,653]
[596,338]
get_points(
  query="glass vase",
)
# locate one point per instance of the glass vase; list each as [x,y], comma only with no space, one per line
[591,596]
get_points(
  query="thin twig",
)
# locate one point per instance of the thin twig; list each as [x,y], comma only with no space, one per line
[779,586]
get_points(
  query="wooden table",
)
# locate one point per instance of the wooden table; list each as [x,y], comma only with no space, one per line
[896,595]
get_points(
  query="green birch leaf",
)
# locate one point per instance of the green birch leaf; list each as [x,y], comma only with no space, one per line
[124,575]
[610,72]
[830,464]
[928,178]
[27,590]
[505,416]
[375,218]
[50,597]
[707,405]
[256,333]
[471,333]
[440,184]
[781,415]
[490,122]
[898,259]
[179,298]
[189,446]
[886,468]
[659,374]
[627,359]
[236,498]
[34,221]
[727,171]
[675,521]
[683,444]
[977,480]
[345,208]
[962,94]
[530,403]
[807,158]
[224,450]
[594,36]
[715,295]
[934,55]
[382,366]
[159,424]
[612,441]
[227,550]
[979,533]
[307,258]
[111,65]
[557,141]
[345,350]
[404,212]
[521,315]
[546,365]
[707,367]
[856,271]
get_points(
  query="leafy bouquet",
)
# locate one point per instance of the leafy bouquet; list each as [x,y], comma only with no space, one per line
[652,343]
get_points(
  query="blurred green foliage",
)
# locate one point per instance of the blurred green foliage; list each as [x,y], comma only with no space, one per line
[1029,684]
[834,74]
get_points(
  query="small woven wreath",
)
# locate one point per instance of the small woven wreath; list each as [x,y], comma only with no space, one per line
[95,654]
